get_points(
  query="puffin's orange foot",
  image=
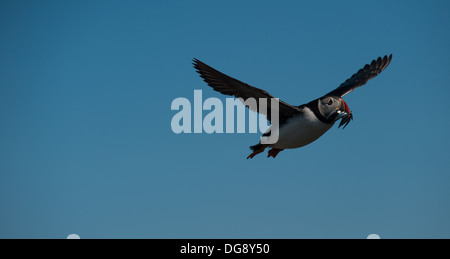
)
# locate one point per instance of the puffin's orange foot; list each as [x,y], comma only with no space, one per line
[274,152]
[252,155]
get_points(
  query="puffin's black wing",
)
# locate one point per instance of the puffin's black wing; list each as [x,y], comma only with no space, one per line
[230,86]
[361,78]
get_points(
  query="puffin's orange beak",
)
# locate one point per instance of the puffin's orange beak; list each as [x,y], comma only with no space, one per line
[345,108]
[347,116]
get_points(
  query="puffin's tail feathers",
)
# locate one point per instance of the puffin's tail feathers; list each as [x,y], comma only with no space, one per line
[256,147]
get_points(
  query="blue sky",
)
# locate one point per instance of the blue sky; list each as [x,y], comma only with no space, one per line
[86,145]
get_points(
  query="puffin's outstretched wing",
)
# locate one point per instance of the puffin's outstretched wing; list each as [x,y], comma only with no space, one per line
[230,86]
[361,78]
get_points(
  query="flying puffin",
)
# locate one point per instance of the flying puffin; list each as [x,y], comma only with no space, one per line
[298,125]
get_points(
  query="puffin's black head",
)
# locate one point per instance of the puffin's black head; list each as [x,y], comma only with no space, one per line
[335,108]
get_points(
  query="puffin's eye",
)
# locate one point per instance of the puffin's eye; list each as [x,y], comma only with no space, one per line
[330,102]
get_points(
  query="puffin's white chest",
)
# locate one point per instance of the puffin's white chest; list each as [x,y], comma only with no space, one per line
[301,130]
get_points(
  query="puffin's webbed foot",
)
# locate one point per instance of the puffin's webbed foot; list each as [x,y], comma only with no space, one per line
[274,152]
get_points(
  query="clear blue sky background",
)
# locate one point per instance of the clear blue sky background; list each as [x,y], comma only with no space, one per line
[86,145]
